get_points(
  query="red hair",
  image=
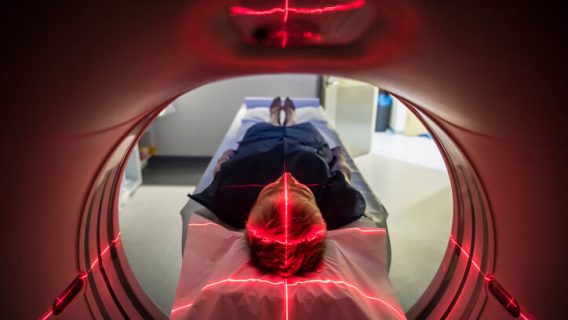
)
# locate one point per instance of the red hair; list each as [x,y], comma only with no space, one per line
[282,249]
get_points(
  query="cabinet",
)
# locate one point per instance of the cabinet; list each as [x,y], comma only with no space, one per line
[132,177]
[143,150]
[351,107]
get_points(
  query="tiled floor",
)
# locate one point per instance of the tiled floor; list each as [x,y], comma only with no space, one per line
[407,174]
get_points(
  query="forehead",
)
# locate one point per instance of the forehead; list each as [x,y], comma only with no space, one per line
[272,190]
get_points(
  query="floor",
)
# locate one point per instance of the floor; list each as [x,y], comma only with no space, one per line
[150,224]
[406,173]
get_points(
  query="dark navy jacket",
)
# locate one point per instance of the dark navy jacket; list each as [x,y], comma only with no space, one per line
[262,156]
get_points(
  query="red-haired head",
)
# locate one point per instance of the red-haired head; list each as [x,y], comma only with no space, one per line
[285,230]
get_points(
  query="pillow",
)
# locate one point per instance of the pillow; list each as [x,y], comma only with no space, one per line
[217,280]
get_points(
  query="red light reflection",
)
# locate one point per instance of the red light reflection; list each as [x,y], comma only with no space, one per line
[262,236]
[309,237]
[203,224]
[104,252]
[182,307]
[285,214]
[82,275]
[285,10]
[504,298]
[473,262]
[525,316]
[286,285]
[365,230]
[286,306]
[356,289]
[258,185]
[47,315]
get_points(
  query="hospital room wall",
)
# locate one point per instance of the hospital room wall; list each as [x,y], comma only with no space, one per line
[203,115]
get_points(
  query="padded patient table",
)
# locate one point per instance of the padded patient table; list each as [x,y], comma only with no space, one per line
[216,252]
[307,110]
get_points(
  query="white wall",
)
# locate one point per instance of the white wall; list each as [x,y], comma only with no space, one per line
[398,116]
[204,114]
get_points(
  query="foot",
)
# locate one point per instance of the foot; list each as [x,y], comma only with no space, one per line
[289,112]
[275,109]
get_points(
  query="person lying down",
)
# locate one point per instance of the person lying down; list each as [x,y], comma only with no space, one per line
[305,252]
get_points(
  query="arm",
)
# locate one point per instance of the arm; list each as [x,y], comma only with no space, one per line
[339,163]
[224,157]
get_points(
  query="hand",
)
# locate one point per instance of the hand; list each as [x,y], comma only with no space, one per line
[340,164]
[224,157]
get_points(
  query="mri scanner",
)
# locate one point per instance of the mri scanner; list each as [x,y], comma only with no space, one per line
[80,82]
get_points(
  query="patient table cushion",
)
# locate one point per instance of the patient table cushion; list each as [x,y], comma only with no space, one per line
[217,280]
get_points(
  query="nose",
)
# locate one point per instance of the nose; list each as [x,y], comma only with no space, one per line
[289,177]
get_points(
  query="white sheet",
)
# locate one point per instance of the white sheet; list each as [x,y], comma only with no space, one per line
[217,280]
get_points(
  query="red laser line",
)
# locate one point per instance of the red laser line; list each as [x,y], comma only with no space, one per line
[113,243]
[105,250]
[284,37]
[285,218]
[366,230]
[473,262]
[47,315]
[83,275]
[93,264]
[238,186]
[286,10]
[230,280]
[286,242]
[286,298]
[486,277]
[257,185]
[285,18]
[203,224]
[289,242]
[307,238]
[182,307]
[286,285]
[60,300]
[511,301]
[237,10]
[341,282]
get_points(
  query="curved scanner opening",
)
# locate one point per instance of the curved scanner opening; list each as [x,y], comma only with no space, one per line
[457,288]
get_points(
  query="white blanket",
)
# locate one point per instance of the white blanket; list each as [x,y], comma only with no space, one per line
[217,280]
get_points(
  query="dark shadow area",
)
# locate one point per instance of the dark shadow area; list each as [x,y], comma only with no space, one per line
[174,171]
